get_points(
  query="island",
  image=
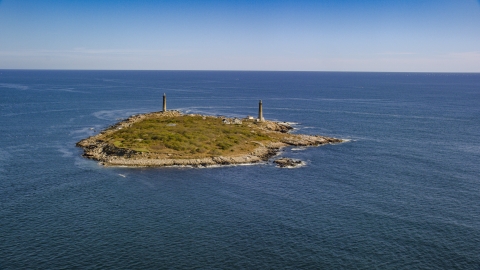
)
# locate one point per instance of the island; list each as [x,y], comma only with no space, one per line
[171,138]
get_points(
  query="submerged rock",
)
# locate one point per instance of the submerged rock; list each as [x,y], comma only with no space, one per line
[288,162]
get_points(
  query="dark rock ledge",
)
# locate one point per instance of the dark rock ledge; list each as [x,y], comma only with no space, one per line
[288,162]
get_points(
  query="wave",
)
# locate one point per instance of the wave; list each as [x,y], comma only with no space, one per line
[81,131]
[70,90]
[86,131]
[86,164]
[4,155]
[214,111]
[190,166]
[14,86]
[302,164]
[116,114]
[37,112]
[401,116]
[66,152]
[467,148]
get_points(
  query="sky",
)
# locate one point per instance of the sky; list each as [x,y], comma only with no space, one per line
[300,35]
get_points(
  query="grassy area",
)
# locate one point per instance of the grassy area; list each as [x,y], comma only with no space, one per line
[189,137]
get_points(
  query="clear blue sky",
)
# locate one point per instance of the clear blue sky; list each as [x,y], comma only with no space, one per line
[322,35]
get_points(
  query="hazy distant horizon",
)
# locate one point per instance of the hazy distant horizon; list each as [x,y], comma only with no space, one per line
[240,70]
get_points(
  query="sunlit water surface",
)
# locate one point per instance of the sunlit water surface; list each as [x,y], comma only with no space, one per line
[403,193]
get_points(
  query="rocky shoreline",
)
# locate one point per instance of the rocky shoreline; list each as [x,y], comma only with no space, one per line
[109,155]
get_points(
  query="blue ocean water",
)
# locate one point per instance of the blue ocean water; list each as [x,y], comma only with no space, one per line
[403,193]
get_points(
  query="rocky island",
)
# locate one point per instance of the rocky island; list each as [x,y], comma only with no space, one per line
[171,138]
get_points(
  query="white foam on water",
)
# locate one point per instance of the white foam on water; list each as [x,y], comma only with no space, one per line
[36,112]
[302,164]
[111,80]
[116,114]
[86,164]
[193,167]
[80,131]
[358,138]
[14,86]
[148,184]
[66,153]
[230,165]
[85,132]
[71,90]
[468,148]
[213,112]
[4,155]
[186,91]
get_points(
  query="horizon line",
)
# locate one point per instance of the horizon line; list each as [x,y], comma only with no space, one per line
[241,70]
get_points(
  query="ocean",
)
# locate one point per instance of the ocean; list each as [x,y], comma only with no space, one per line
[402,193]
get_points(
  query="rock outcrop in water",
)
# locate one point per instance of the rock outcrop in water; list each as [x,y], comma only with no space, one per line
[288,162]
[99,148]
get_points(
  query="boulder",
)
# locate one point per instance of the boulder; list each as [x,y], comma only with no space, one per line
[287,162]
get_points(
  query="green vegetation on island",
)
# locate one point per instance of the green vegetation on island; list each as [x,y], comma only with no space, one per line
[192,136]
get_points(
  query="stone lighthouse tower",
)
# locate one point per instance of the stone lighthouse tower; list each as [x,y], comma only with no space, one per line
[164,103]
[260,112]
